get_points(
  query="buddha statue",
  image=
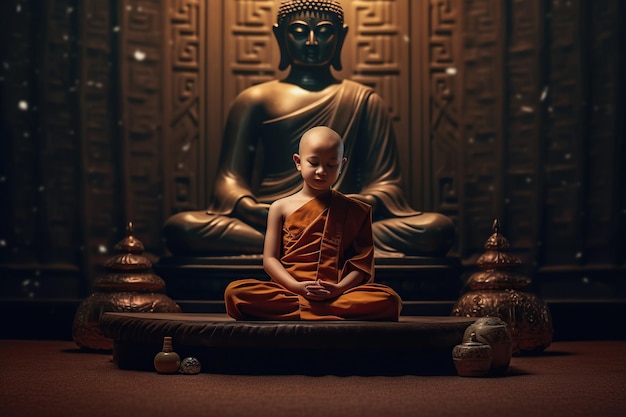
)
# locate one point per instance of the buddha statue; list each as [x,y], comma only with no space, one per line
[262,131]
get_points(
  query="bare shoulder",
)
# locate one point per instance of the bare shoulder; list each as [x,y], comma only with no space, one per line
[287,205]
[277,206]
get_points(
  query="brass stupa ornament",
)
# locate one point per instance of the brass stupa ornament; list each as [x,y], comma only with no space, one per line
[128,286]
[497,290]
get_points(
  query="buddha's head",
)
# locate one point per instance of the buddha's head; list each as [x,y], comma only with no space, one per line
[310,33]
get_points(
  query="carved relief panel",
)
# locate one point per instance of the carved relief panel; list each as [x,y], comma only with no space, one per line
[436,75]
[184,104]
[376,54]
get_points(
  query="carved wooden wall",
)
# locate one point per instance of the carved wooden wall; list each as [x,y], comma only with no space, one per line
[113,111]
[436,64]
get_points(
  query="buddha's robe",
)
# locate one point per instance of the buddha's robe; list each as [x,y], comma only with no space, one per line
[325,239]
[360,116]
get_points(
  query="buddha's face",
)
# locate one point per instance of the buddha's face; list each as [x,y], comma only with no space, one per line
[311,39]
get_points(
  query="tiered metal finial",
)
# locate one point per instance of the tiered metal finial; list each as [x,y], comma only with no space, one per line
[128,286]
[498,290]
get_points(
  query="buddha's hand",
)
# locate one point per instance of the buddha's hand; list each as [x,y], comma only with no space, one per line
[251,212]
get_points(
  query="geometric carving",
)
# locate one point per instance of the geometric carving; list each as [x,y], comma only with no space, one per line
[375,54]
[250,14]
[183,58]
[375,43]
[185,90]
[443,31]
[251,51]
[376,27]
[250,43]
[184,17]
[444,15]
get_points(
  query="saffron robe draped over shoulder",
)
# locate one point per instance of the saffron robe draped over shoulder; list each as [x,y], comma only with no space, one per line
[326,239]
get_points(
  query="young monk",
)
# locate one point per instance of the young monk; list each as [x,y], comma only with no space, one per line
[318,250]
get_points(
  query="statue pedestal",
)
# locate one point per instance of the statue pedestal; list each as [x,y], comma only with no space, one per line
[205,278]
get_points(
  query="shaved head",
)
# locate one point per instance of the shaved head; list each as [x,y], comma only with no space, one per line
[321,136]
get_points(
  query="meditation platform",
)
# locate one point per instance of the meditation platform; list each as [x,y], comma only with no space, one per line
[413,345]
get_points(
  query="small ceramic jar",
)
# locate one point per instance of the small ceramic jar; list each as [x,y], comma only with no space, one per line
[494,332]
[472,358]
[167,361]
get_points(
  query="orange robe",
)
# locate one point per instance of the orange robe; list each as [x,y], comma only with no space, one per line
[326,238]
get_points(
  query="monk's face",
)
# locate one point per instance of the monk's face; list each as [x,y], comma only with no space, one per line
[311,39]
[320,158]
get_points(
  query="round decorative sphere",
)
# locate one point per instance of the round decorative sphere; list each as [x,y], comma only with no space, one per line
[190,366]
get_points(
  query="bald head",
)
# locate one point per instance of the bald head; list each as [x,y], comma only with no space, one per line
[321,138]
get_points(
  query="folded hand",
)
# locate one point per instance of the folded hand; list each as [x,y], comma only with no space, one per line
[322,290]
